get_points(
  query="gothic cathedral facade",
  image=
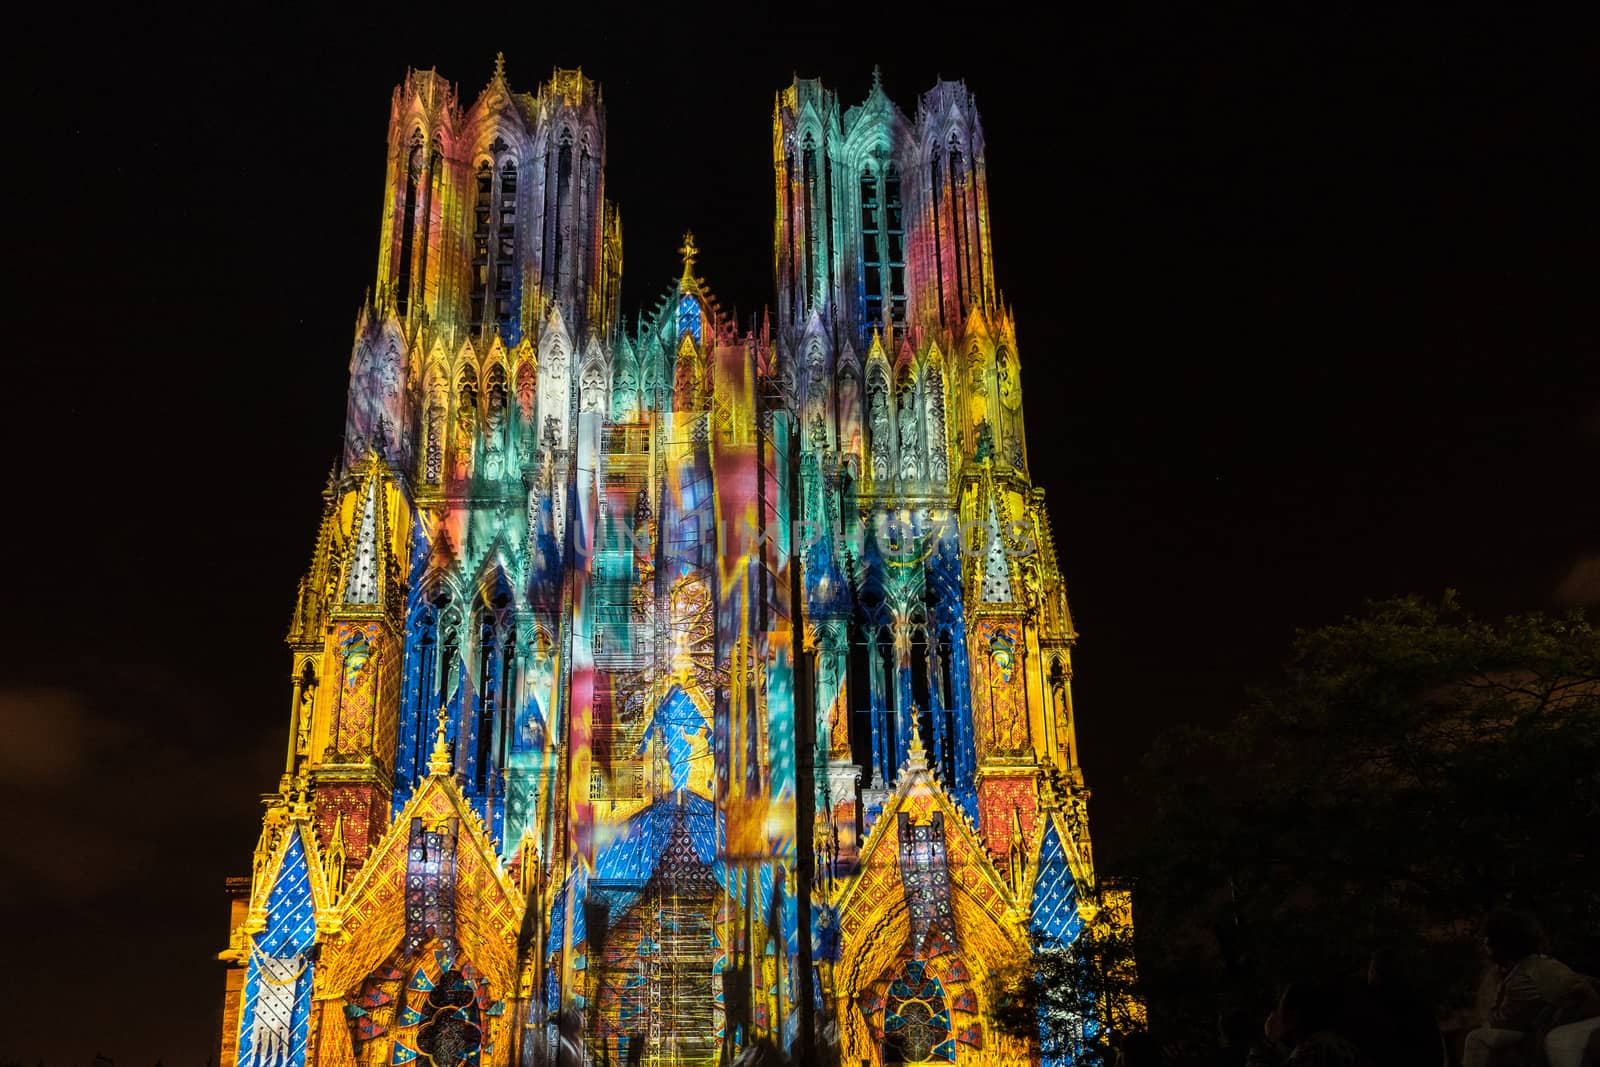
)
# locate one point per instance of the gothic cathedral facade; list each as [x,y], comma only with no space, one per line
[664,685]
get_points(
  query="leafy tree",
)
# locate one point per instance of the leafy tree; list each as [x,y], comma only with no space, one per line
[1079,1000]
[1414,768]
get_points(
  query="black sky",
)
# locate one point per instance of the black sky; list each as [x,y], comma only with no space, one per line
[1305,303]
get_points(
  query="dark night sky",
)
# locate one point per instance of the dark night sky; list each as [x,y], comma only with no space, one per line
[1305,305]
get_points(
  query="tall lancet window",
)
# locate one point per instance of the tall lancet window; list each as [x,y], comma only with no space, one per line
[408,223]
[894,254]
[494,244]
[505,251]
[958,217]
[482,234]
[883,247]
[563,207]
[809,157]
[793,277]
[936,172]
[871,248]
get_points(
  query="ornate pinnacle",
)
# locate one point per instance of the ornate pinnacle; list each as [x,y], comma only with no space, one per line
[917,756]
[688,251]
[500,66]
[439,760]
[336,857]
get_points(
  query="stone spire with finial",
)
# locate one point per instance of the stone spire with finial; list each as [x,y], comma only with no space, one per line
[439,762]
[916,755]
[689,252]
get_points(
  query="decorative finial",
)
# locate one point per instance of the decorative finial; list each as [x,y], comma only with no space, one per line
[877,78]
[500,66]
[688,251]
[917,756]
[439,761]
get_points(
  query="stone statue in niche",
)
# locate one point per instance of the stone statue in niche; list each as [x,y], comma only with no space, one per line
[308,707]
[816,403]
[592,389]
[979,391]
[910,437]
[938,468]
[494,437]
[525,390]
[1078,814]
[1032,586]
[1005,374]
[878,415]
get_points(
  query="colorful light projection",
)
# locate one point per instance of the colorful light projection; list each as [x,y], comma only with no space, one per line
[660,690]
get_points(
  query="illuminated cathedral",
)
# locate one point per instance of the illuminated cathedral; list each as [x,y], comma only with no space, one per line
[663,684]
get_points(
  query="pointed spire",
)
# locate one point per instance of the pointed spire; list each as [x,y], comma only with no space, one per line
[361,583]
[439,762]
[877,78]
[499,66]
[917,756]
[996,584]
[689,252]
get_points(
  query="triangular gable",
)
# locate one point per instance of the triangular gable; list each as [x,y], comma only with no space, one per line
[918,791]
[977,331]
[290,905]
[497,353]
[874,919]
[996,586]
[362,579]
[1053,914]
[370,918]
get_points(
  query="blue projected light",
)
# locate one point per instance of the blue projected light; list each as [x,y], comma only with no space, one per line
[689,316]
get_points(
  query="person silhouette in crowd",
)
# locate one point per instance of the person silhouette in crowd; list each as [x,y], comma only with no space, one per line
[1139,1050]
[1405,1029]
[1528,994]
[1241,1041]
[1307,1023]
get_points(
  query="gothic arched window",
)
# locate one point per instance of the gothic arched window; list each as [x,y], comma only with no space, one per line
[809,165]
[494,243]
[788,213]
[482,230]
[563,205]
[871,247]
[894,255]
[958,217]
[505,251]
[424,702]
[936,173]
[408,222]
